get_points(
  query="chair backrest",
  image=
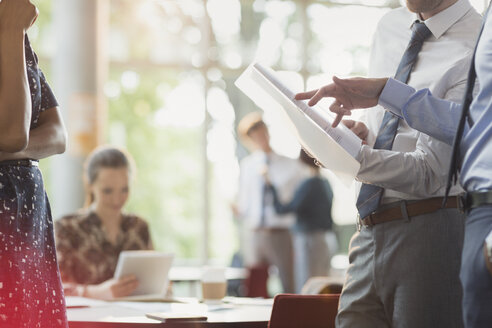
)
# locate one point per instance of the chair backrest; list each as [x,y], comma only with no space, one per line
[307,311]
[256,283]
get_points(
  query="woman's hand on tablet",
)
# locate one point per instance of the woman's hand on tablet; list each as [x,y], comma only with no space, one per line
[113,288]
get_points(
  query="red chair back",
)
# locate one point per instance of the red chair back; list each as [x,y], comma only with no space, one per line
[256,283]
[306,311]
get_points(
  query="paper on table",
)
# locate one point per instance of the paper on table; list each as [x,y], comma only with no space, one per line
[335,148]
[78,302]
[248,301]
[108,313]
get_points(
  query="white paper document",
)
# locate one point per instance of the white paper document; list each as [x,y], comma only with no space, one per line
[335,148]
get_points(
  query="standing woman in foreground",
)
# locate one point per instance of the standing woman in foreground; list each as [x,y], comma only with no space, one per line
[30,129]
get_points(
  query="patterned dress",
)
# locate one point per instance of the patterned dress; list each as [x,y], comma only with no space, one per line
[85,254]
[31,293]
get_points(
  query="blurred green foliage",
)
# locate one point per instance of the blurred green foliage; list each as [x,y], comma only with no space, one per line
[167,188]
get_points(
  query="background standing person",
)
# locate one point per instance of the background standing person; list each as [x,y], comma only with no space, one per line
[405,260]
[312,205]
[269,239]
[89,242]
[31,128]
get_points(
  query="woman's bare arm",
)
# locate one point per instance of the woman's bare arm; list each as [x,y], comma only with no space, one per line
[16,16]
[48,138]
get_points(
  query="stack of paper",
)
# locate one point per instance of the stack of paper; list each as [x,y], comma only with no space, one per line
[335,148]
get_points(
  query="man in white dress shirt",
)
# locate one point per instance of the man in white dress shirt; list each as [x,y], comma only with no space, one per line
[270,240]
[405,259]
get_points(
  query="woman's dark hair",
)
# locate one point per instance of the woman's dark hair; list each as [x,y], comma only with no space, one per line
[307,159]
[103,157]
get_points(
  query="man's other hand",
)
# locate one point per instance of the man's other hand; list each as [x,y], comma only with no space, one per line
[359,128]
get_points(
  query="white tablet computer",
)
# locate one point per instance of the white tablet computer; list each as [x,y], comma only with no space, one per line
[151,269]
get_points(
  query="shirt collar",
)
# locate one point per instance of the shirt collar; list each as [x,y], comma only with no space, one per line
[442,21]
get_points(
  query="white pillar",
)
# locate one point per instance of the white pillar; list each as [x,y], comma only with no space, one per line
[206,29]
[79,70]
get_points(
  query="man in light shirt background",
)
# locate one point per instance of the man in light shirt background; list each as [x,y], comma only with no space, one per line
[405,260]
[266,236]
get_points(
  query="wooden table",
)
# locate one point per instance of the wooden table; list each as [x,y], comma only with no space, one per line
[235,312]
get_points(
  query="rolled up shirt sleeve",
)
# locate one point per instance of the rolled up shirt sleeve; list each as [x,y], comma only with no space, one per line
[421,173]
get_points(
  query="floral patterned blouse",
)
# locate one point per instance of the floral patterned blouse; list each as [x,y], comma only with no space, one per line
[85,255]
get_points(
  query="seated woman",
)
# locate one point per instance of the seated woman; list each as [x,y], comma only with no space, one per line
[89,242]
[311,203]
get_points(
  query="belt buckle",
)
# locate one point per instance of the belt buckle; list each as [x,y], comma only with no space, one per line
[404,210]
[359,223]
[461,200]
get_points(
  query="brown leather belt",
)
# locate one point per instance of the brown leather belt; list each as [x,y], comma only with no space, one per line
[407,209]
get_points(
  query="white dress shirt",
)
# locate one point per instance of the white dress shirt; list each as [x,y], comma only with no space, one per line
[417,166]
[284,173]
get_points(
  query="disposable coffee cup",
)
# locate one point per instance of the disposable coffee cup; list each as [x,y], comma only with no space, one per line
[214,284]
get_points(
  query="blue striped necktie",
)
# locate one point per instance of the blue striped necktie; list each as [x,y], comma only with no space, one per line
[370,195]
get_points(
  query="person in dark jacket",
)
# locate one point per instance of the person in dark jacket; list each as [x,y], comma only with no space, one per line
[311,203]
